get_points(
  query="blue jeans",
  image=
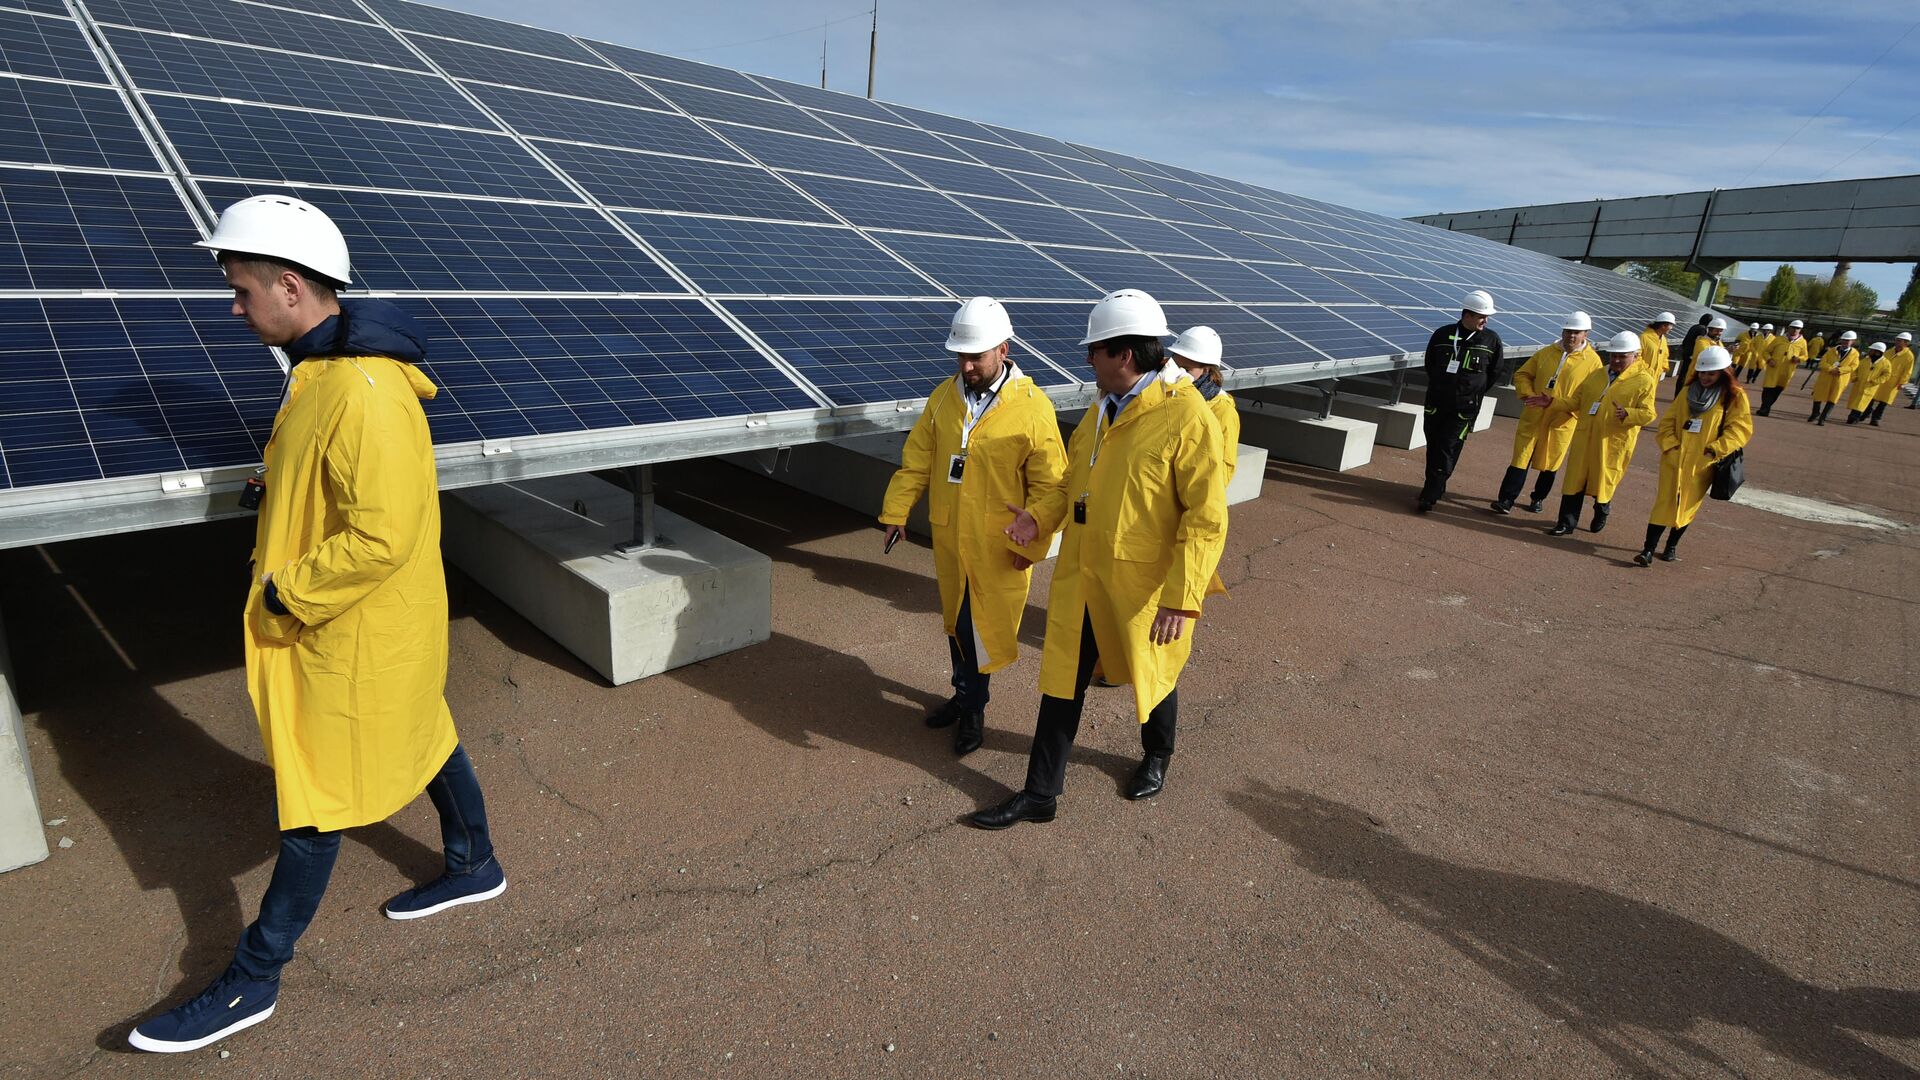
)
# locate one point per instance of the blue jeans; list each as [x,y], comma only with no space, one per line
[969,685]
[306,860]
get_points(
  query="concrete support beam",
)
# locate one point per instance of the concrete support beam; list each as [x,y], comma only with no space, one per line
[1337,443]
[547,549]
[22,842]
[1398,426]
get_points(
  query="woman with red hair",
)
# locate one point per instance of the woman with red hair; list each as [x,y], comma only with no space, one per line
[1708,420]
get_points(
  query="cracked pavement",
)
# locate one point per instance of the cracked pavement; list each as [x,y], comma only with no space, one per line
[1452,798]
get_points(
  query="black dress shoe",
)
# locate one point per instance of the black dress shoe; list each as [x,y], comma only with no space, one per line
[1645,558]
[1149,778]
[944,716]
[1423,507]
[966,737]
[1535,506]
[1670,555]
[1599,520]
[1022,807]
[1501,507]
[1562,529]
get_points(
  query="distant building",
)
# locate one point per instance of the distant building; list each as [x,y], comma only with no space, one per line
[1748,290]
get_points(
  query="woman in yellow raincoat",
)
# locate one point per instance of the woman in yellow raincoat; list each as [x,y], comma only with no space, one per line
[1145,513]
[1874,370]
[1836,370]
[1788,352]
[997,430]
[1541,437]
[1611,406]
[1899,374]
[1708,420]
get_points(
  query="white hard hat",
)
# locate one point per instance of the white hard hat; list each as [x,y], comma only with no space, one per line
[1713,358]
[1125,313]
[1905,335]
[1199,344]
[1849,336]
[1717,324]
[1665,317]
[1579,320]
[1626,341]
[1878,346]
[1766,326]
[284,228]
[1479,301]
[1753,326]
[979,325]
[1796,324]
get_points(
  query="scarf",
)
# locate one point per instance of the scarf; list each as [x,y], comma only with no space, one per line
[1701,398]
[1209,389]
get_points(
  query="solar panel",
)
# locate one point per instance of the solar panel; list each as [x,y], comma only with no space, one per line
[49,48]
[891,137]
[759,112]
[1250,339]
[68,230]
[1230,242]
[1009,157]
[1311,284]
[464,27]
[1153,237]
[1077,196]
[770,258]
[1396,327]
[1131,270]
[44,123]
[945,125]
[884,206]
[258,24]
[686,71]
[1330,333]
[637,181]
[814,97]
[1234,280]
[1054,330]
[551,116]
[987,267]
[960,177]
[1041,224]
[485,64]
[778,150]
[1162,207]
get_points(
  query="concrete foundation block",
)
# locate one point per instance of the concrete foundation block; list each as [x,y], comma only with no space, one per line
[1338,443]
[1415,394]
[1249,474]
[22,841]
[546,548]
[1506,401]
[1399,426]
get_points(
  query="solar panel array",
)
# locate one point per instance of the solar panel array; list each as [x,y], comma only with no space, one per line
[600,238]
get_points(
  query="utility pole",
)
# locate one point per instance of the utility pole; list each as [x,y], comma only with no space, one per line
[873,47]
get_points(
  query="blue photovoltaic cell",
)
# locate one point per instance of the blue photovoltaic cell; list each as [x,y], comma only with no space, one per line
[771,258]
[987,268]
[1230,242]
[549,116]
[1039,224]
[760,112]
[51,48]
[1304,253]
[945,125]
[1077,196]
[512,367]
[261,143]
[1312,284]
[1042,143]
[778,150]
[261,25]
[48,7]
[1094,172]
[68,230]
[657,182]
[883,206]
[465,27]
[1395,327]
[101,388]
[1148,235]
[865,351]
[434,243]
[1009,157]
[891,137]
[1247,341]
[1377,289]
[59,124]
[1164,208]
[672,67]
[464,61]
[1330,333]
[1124,162]
[1130,270]
[186,66]
[1233,219]
[1054,330]
[814,97]
[1233,280]
[959,177]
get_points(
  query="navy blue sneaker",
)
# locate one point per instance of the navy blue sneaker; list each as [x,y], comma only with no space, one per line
[233,1003]
[449,890]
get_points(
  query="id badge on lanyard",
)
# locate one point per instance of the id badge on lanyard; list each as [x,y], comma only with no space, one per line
[957,463]
[1694,425]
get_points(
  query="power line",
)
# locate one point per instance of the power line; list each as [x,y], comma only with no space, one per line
[1871,145]
[1828,105]
[774,37]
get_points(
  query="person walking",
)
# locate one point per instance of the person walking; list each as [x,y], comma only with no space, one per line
[1547,380]
[1789,351]
[1836,370]
[1145,513]
[1690,348]
[1611,405]
[1899,373]
[1461,361]
[346,618]
[1656,354]
[987,439]
[1703,426]
[1197,351]
[1873,371]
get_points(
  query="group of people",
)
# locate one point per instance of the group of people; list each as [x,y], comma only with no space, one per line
[1585,413]
[1869,381]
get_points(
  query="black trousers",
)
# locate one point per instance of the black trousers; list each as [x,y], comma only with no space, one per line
[1516,479]
[1447,432]
[1059,722]
[1876,411]
[970,687]
[1769,395]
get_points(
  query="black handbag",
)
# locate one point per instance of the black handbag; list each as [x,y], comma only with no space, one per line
[1728,474]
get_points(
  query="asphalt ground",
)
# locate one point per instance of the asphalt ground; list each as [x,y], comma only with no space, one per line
[1452,798]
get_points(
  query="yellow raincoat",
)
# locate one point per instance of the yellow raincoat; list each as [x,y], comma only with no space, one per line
[1703,343]
[1836,368]
[1867,380]
[1899,374]
[348,687]
[1228,416]
[1687,457]
[1784,359]
[1602,443]
[1013,452]
[1156,523]
[1655,353]
[1541,438]
[1816,348]
[1744,348]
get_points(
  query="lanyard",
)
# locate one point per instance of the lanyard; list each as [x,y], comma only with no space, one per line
[973,419]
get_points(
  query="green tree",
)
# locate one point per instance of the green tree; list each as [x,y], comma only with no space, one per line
[1675,276]
[1783,290]
[1844,296]
[1907,309]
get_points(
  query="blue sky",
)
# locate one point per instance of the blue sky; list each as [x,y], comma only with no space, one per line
[1396,106]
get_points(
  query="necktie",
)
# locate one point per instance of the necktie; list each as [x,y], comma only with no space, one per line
[1113,410]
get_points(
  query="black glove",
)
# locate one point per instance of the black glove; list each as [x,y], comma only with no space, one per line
[272,599]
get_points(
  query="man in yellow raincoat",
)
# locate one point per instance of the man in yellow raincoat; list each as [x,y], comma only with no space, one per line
[985,442]
[1708,420]
[1899,374]
[1611,405]
[1743,347]
[1873,371]
[346,622]
[1789,351]
[1145,512]
[1836,370]
[1656,354]
[1197,352]
[1541,438]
